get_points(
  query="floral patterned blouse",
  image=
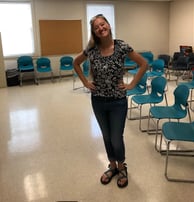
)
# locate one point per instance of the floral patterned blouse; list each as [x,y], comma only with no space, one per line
[108,71]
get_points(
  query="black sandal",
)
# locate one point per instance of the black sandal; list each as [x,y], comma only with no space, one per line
[122,175]
[112,171]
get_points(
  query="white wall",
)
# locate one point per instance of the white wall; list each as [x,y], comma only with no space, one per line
[58,10]
[181,24]
[144,25]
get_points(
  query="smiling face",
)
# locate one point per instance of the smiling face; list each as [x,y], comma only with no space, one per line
[100,28]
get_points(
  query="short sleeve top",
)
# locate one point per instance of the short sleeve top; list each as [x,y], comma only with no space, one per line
[108,71]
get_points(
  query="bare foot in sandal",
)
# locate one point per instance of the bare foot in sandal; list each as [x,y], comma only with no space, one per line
[108,175]
[123,176]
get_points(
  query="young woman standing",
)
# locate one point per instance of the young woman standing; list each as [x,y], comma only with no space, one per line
[108,91]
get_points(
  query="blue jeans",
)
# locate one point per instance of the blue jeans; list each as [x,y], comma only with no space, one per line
[111,117]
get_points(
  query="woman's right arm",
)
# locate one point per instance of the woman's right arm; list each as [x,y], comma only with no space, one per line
[79,59]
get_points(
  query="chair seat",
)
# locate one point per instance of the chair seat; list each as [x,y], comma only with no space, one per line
[26,68]
[153,74]
[25,65]
[131,64]
[133,71]
[46,69]
[43,65]
[190,85]
[167,112]
[66,67]
[136,91]
[179,131]
[146,99]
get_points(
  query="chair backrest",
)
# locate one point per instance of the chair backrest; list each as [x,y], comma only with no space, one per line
[142,84]
[193,75]
[129,63]
[176,56]
[181,63]
[127,60]
[191,61]
[86,67]
[182,60]
[66,61]
[158,85]
[25,62]
[158,65]
[43,62]
[181,94]
[148,56]
[166,59]
[140,88]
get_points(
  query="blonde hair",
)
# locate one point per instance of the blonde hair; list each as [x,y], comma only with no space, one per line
[94,40]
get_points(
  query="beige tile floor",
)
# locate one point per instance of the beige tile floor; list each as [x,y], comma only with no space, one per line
[51,150]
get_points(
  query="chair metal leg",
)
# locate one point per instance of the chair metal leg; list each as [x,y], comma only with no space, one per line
[140,114]
[52,77]
[35,79]
[21,75]
[74,80]
[191,100]
[135,107]
[140,117]
[166,100]
[166,168]
[59,75]
[148,117]
[130,111]
[155,130]
[156,138]
[152,131]
[76,88]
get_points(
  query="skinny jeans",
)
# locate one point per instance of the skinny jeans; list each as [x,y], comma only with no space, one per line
[111,116]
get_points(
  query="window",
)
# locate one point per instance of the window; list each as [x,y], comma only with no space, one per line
[106,9]
[16,28]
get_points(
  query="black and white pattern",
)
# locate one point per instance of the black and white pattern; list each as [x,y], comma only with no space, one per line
[108,71]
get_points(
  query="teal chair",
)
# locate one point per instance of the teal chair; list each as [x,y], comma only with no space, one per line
[167,60]
[190,85]
[177,111]
[139,89]
[180,67]
[66,65]
[130,65]
[133,71]
[43,66]
[25,66]
[86,71]
[86,68]
[180,132]
[156,96]
[157,68]
[149,56]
